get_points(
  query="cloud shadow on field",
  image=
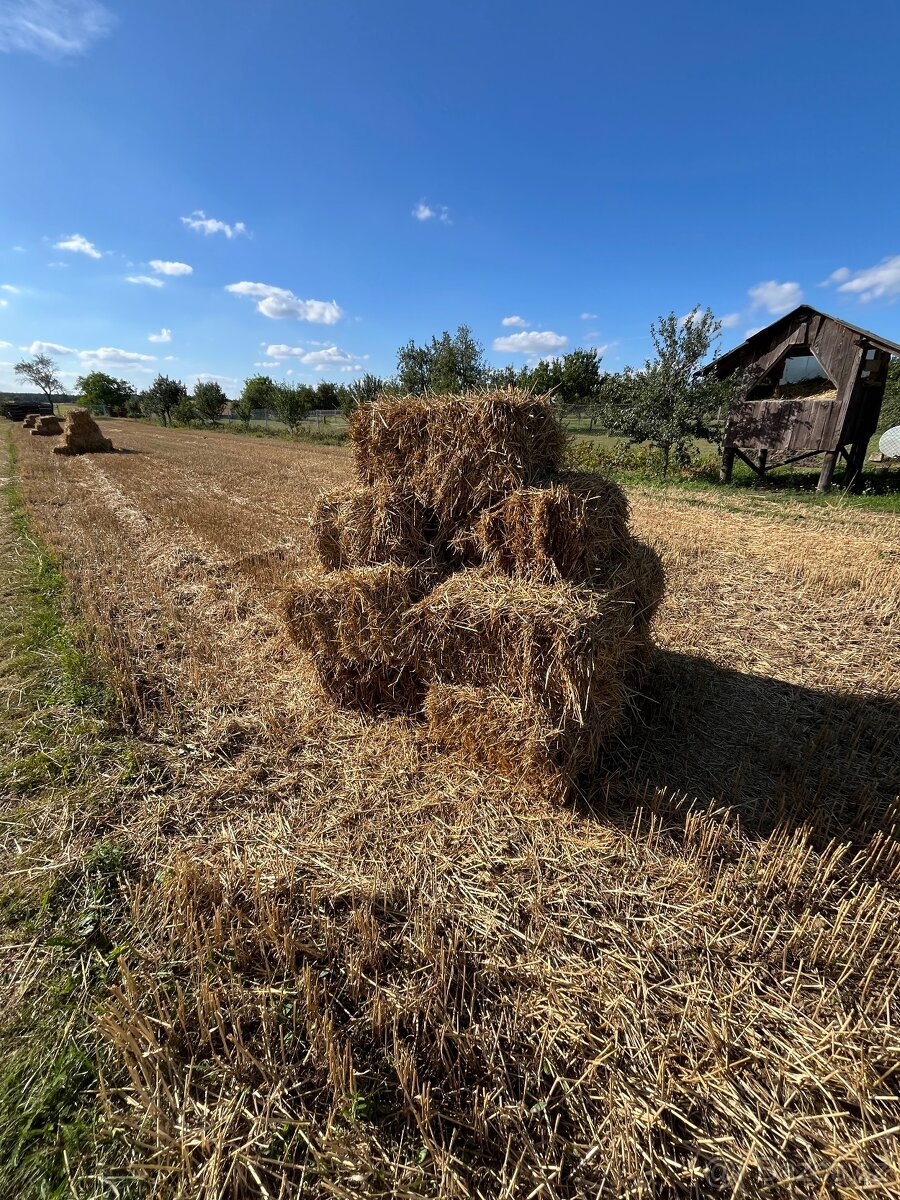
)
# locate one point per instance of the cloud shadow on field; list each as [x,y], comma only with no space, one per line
[776,754]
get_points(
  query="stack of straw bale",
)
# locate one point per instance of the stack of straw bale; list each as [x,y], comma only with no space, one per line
[466,575]
[28,422]
[49,426]
[82,435]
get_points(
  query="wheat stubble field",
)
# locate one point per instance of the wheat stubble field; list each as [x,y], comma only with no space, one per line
[362,966]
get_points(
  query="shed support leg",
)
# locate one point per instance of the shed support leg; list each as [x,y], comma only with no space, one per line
[761,459]
[855,464]
[827,472]
[727,465]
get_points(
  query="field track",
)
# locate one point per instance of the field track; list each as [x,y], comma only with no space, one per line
[688,979]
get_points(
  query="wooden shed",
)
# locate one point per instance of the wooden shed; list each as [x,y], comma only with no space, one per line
[807,384]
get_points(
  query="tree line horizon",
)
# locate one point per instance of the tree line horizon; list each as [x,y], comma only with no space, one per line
[668,402]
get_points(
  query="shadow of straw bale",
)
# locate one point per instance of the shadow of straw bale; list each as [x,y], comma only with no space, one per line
[774,753]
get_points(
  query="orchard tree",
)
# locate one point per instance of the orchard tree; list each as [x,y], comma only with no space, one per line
[41,370]
[258,392]
[574,377]
[100,392]
[448,364]
[162,396]
[209,401]
[669,402]
[362,391]
[292,402]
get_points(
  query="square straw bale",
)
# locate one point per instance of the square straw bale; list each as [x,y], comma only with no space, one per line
[560,646]
[362,525]
[49,426]
[81,435]
[354,615]
[515,736]
[457,454]
[368,687]
[562,531]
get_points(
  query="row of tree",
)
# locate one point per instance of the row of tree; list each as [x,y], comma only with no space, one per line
[668,402]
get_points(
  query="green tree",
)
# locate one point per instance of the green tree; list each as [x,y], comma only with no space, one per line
[100,392]
[41,370]
[449,364]
[574,377]
[258,392]
[669,402]
[890,407]
[161,397]
[327,395]
[292,402]
[209,401]
[507,377]
[362,391]
[184,412]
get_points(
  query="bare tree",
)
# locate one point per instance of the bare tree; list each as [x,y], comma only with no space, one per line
[41,371]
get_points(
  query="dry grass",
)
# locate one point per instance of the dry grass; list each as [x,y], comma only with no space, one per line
[364,965]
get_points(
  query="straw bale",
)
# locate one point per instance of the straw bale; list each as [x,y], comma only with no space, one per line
[362,526]
[561,646]
[457,454]
[519,738]
[562,531]
[49,426]
[82,435]
[369,687]
[355,614]
[29,420]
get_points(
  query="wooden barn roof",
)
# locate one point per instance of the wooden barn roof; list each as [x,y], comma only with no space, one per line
[729,361]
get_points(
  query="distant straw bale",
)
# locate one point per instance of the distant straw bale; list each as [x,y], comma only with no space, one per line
[82,435]
[563,531]
[29,420]
[457,454]
[49,426]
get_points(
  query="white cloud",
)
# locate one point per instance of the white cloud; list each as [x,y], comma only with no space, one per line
[170,268]
[5,345]
[730,320]
[319,360]
[105,355]
[775,297]
[199,221]
[535,342]
[110,356]
[78,245]
[756,329]
[586,316]
[517,322]
[146,280]
[837,276]
[47,348]
[52,29]
[277,303]
[18,249]
[425,212]
[8,287]
[57,264]
[3,303]
[164,335]
[873,282]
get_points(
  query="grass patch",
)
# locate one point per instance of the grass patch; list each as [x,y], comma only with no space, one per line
[62,914]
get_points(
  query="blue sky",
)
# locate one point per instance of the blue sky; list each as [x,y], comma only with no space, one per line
[199,188]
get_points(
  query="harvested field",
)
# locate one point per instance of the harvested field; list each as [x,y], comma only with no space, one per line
[362,964]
